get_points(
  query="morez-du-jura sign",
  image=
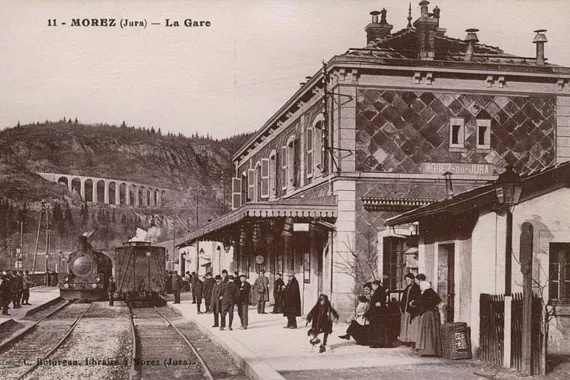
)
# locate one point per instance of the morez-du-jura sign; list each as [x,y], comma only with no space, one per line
[460,169]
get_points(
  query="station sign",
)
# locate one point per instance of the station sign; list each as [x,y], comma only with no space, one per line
[459,169]
[301,227]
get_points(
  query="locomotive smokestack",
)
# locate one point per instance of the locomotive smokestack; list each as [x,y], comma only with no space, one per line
[83,244]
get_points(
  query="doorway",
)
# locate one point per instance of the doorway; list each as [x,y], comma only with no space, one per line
[446,279]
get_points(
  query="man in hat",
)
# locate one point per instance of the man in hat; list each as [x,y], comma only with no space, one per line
[5,293]
[193,281]
[216,300]
[243,301]
[176,284]
[230,295]
[26,288]
[291,301]
[261,288]
[278,294]
[111,289]
[208,288]
[224,276]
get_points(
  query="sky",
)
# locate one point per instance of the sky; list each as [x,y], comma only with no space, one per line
[220,80]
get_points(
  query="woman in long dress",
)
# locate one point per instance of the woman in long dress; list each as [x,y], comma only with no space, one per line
[409,322]
[377,316]
[428,340]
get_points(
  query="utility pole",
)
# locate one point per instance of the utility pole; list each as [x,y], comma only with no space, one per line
[197,241]
[42,211]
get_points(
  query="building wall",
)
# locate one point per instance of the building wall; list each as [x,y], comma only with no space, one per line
[396,131]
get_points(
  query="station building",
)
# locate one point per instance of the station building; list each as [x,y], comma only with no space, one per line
[370,135]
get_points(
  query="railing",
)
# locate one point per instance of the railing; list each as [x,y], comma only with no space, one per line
[491,334]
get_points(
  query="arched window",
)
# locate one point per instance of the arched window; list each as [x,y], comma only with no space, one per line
[317,144]
[257,195]
[283,168]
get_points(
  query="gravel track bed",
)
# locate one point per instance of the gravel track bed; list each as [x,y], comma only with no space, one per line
[218,360]
[17,358]
[162,352]
[99,348]
[40,313]
[10,328]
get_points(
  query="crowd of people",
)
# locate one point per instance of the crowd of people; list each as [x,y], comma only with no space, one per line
[379,321]
[14,287]
[414,320]
[223,294]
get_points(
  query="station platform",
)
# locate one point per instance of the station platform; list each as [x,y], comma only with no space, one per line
[268,351]
[39,296]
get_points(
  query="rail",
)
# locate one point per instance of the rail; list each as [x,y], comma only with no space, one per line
[17,337]
[61,341]
[207,372]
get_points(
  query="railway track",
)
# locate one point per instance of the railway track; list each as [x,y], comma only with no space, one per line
[161,350]
[28,350]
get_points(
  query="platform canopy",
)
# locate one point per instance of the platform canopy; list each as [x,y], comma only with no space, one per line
[321,210]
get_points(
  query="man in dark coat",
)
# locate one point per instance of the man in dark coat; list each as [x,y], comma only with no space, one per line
[230,295]
[111,289]
[278,294]
[216,300]
[208,287]
[27,283]
[224,276]
[17,284]
[199,291]
[5,293]
[291,301]
[176,284]
[168,282]
[193,281]
[243,301]
[261,289]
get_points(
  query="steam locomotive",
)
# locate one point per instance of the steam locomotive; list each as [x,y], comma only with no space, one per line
[88,274]
[140,273]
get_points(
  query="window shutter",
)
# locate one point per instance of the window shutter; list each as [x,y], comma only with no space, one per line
[283,167]
[264,178]
[309,161]
[236,193]
[250,184]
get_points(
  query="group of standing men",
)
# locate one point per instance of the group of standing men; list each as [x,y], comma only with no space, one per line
[224,293]
[15,288]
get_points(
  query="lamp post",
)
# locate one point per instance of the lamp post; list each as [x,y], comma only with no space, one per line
[508,188]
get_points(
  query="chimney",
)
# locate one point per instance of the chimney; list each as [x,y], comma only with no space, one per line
[448,185]
[471,40]
[83,245]
[540,40]
[426,29]
[377,29]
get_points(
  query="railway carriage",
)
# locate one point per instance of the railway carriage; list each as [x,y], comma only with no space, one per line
[140,273]
[88,274]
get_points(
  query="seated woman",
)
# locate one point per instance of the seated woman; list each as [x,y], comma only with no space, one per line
[358,326]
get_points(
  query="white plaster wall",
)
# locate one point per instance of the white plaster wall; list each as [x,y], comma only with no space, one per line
[550,217]
[488,257]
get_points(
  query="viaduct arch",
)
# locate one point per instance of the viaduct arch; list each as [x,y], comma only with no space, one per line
[112,191]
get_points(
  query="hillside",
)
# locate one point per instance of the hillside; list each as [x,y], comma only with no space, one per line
[140,155]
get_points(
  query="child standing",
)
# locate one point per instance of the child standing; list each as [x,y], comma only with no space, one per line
[322,316]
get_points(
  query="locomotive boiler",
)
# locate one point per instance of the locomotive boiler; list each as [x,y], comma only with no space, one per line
[140,271]
[88,273]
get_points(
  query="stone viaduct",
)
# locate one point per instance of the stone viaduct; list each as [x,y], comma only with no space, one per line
[112,191]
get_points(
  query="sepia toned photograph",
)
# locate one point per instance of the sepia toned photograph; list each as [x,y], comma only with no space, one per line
[284,189]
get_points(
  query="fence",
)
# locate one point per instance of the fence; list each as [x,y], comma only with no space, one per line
[491,335]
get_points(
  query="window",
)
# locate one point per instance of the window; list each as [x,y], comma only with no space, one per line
[559,265]
[456,133]
[484,134]
[257,195]
[272,174]
[244,187]
[284,168]
[309,162]
[393,262]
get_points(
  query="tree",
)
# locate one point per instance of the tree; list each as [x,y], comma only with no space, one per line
[68,216]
